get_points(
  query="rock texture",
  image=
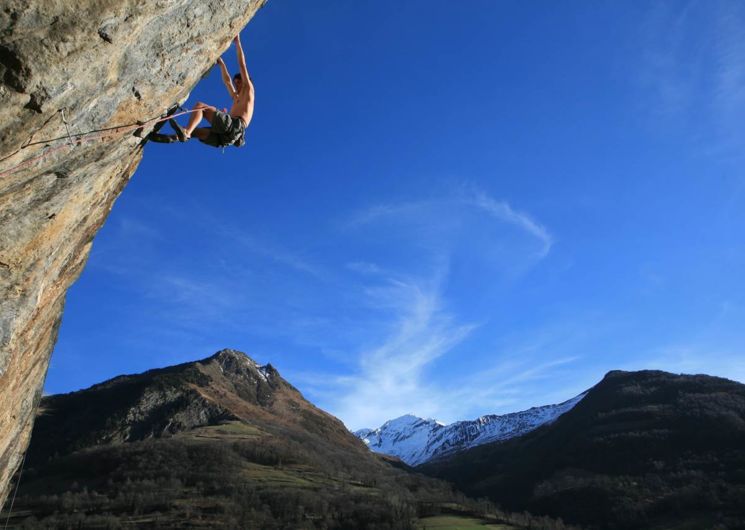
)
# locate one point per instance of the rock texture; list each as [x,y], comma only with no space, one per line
[97,64]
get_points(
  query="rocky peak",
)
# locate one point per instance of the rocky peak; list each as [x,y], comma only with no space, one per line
[234,361]
[405,421]
[68,68]
[160,402]
[252,382]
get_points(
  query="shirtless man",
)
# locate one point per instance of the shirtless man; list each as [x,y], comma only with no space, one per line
[227,128]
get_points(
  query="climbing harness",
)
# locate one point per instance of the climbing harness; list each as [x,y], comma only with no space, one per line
[78,139]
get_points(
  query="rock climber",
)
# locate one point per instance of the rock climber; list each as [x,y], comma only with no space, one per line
[227,128]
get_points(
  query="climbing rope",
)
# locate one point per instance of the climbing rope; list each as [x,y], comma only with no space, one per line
[28,141]
[78,139]
[15,492]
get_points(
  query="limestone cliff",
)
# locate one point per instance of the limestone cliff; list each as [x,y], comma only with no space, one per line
[94,64]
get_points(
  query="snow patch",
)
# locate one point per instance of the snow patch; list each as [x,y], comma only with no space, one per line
[416,440]
[264,373]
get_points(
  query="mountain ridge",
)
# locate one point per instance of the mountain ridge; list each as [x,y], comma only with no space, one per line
[418,440]
[218,442]
[225,386]
[643,449]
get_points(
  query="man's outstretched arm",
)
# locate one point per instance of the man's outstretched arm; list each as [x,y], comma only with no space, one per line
[226,77]
[242,65]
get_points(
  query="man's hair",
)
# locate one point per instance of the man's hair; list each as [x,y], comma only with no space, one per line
[238,76]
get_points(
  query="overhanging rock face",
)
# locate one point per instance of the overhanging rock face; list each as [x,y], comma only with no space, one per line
[97,64]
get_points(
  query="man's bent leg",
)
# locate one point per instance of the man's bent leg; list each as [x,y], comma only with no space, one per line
[201,133]
[207,135]
[209,113]
[200,110]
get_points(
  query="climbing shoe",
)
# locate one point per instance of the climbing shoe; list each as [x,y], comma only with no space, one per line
[163,138]
[180,133]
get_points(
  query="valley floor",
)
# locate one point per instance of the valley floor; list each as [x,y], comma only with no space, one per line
[457,522]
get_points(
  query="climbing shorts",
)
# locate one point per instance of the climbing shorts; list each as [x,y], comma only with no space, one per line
[226,130]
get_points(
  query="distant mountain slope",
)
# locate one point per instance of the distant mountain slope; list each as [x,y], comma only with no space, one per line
[217,443]
[643,449]
[227,386]
[417,440]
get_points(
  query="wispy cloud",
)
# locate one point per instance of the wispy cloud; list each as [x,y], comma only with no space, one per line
[394,375]
[136,230]
[390,378]
[239,240]
[444,218]
[364,267]
[692,71]
[513,383]
[503,211]
[264,249]
[399,376]
[192,298]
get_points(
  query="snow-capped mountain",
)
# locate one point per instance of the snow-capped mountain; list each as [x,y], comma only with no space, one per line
[416,440]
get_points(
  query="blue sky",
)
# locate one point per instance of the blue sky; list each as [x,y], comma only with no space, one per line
[448,209]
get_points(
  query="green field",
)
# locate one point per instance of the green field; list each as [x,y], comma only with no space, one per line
[457,522]
[225,431]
